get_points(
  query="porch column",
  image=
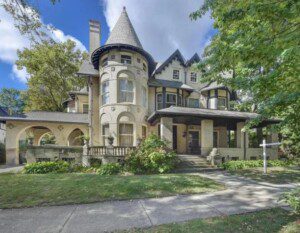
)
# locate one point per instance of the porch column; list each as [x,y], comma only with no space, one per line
[242,137]
[223,137]
[207,129]
[166,130]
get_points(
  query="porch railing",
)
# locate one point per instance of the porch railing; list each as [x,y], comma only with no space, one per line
[97,151]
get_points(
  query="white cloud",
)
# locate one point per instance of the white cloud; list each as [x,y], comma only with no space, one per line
[11,40]
[164,26]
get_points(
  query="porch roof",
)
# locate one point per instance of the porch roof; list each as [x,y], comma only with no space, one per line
[43,116]
[190,115]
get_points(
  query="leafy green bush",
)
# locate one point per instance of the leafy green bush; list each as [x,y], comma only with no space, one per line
[244,164]
[109,169]
[152,156]
[95,162]
[47,167]
[293,199]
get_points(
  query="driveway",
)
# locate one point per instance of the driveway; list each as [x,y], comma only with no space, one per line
[242,195]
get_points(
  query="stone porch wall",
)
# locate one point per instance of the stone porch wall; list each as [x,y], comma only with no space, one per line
[251,153]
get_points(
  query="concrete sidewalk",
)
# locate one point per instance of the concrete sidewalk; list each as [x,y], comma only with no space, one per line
[10,169]
[242,196]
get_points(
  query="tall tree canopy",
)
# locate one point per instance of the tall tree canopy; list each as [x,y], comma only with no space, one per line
[13,100]
[257,50]
[27,18]
[52,67]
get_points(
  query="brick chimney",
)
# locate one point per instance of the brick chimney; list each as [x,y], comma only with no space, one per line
[94,35]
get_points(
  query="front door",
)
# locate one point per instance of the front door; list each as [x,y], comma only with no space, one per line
[175,137]
[193,145]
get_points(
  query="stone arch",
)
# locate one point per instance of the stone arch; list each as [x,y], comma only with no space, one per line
[125,74]
[42,137]
[75,138]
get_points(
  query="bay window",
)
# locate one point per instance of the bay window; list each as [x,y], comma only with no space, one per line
[222,103]
[159,101]
[105,92]
[171,100]
[126,90]
[125,134]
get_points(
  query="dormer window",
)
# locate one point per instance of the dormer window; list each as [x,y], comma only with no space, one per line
[104,62]
[125,59]
[193,77]
[175,74]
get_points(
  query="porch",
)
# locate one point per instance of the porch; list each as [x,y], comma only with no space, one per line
[198,131]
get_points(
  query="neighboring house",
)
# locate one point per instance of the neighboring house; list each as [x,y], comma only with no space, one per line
[130,96]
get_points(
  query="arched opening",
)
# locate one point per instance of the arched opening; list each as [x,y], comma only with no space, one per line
[33,136]
[76,138]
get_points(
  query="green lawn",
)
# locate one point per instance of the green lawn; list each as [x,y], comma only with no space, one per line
[277,175]
[24,190]
[267,221]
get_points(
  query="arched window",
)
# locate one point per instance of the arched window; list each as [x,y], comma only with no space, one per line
[105,92]
[126,90]
[125,134]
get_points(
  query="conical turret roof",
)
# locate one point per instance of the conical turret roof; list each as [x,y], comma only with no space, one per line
[123,32]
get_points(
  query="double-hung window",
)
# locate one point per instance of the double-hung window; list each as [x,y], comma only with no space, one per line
[105,133]
[126,90]
[126,134]
[171,100]
[175,74]
[159,101]
[85,108]
[193,77]
[193,103]
[125,59]
[105,92]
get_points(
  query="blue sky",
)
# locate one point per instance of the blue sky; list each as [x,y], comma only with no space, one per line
[161,29]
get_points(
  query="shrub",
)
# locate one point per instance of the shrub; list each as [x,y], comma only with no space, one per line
[109,169]
[95,162]
[152,156]
[2,153]
[244,164]
[47,167]
[293,199]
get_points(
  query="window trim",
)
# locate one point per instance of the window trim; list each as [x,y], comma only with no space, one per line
[174,94]
[195,76]
[178,75]
[104,136]
[128,135]
[126,91]
[103,93]
[193,99]
[126,59]
[222,107]
[87,108]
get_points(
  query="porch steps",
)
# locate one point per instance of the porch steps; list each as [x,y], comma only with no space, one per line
[194,163]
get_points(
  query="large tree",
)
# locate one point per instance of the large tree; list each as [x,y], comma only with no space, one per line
[27,18]
[52,67]
[256,50]
[13,100]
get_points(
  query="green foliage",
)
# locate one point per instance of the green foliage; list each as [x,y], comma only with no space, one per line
[48,138]
[95,162]
[152,156]
[47,167]
[293,199]
[52,67]
[257,46]
[13,100]
[244,164]
[109,169]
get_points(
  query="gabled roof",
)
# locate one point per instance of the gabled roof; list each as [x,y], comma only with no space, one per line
[87,69]
[194,59]
[176,55]
[212,86]
[123,32]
